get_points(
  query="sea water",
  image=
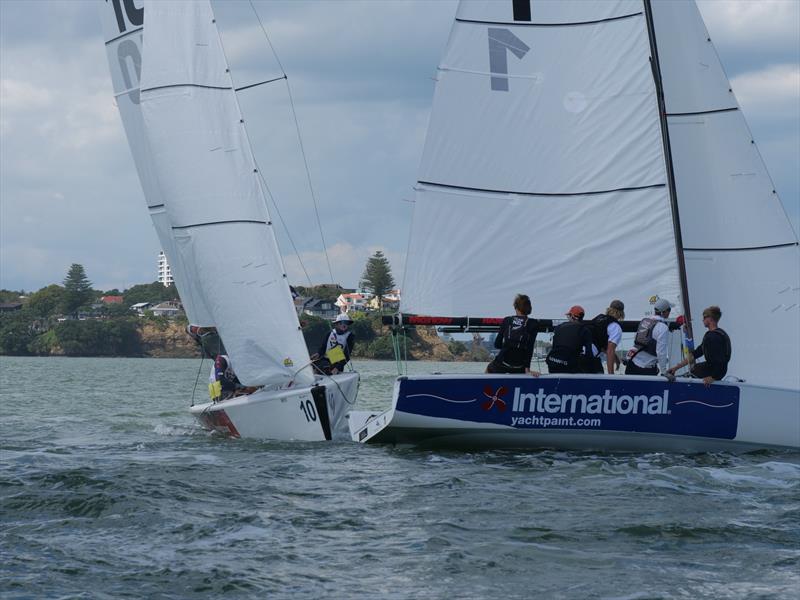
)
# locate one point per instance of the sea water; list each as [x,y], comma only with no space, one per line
[110,490]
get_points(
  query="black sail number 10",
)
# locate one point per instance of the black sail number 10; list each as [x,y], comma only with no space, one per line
[135,15]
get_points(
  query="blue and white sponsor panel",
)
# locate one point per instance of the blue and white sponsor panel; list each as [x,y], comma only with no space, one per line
[580,411]
[613,404]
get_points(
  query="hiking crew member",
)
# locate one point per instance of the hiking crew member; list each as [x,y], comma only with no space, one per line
[649,354]
[606,335]
[515,340]
[572,344]
[334,353]
[715,348]
[222,382]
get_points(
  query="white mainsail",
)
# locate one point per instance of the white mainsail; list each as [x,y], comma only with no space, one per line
[199,159]
[123,31]
[740,249]
[543,170]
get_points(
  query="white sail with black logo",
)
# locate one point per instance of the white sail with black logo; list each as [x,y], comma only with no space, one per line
[123,26]
[551,169]
[543,170]
[199,159]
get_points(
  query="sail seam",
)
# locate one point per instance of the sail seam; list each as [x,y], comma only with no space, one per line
[555,194]
[574,24]
[124,35]
[786,245]
[253,221]
[177,85]
[703,112]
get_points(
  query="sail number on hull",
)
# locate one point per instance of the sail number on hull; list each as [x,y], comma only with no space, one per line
[309,410]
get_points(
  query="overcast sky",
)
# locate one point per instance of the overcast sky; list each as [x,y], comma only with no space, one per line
[361,77]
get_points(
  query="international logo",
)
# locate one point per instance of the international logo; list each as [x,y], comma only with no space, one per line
[593,404]
[494,398]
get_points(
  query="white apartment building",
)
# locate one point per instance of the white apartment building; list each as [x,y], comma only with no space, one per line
[164,272]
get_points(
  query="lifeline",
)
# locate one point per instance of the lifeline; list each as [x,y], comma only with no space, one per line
[607,404]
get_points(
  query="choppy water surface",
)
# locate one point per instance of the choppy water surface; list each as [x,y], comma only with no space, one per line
[109,490]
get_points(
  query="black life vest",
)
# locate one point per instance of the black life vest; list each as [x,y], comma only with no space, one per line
[516,334]
[644,340]
[567,342]
[599,326]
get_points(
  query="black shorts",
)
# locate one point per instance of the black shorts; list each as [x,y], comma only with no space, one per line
[501,367]
[633,369]
[704,369]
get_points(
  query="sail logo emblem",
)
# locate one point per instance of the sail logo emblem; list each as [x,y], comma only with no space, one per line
[288,362]
[494,398]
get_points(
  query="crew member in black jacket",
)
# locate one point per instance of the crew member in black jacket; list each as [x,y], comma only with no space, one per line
[572,345]
[715,347]
[515,340]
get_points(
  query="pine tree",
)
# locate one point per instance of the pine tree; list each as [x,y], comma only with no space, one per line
[377,277]
[77,289]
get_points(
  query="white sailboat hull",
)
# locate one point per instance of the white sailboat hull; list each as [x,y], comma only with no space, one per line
[316,413]
[584,412]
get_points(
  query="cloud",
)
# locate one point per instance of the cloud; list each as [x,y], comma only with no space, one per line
[774,91]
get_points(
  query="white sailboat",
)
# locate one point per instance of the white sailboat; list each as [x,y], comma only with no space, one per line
[201,183]
[580,152]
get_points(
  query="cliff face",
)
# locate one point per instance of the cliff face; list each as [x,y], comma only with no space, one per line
[167,341]
[429,346]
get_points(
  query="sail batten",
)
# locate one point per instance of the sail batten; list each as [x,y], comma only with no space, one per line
[521,193]
[563,24]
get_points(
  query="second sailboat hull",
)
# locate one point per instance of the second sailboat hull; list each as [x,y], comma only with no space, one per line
[316,413]
[584,412]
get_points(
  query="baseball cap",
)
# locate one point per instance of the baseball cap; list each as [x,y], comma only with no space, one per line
[576,311]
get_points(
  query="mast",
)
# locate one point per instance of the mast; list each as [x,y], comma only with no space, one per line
[673,196]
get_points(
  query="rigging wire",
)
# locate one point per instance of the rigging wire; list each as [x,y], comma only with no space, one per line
[299,139]
[280,218]
[197,377]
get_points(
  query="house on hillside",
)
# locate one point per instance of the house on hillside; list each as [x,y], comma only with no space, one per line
[318,307]
[354,301]
[111,299]
[10,306]
[140,307]
[168,309]
[391,301]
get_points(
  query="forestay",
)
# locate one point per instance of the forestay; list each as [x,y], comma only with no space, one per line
[543,170]
[740,249]
[205,170]
[123,26]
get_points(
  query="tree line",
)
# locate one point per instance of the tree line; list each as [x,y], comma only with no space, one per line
[48,318]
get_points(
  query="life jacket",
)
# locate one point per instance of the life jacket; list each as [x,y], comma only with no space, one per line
[222,378]
[516,335]
[599,327]
[335,346]
[644,340]
[567,343]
